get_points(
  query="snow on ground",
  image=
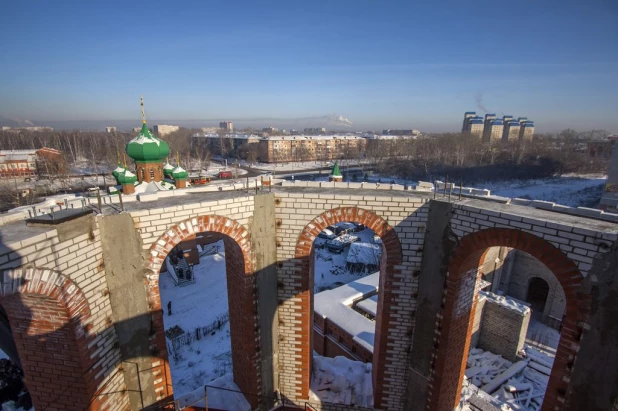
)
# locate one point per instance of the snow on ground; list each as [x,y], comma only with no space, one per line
[199,305]
[336,305]
[224,399]
[542,337]
[305,165]
[341,381]
[570,190]
[330,268]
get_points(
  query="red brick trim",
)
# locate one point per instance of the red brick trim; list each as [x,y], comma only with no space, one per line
[393,257]
[242,300]
[51,320]
[460,297]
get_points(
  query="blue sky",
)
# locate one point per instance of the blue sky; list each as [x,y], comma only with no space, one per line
[379,63]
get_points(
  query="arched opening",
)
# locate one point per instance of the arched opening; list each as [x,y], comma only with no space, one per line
[346,274]
[210,338]
[538,291]
[461,300]
[386,318]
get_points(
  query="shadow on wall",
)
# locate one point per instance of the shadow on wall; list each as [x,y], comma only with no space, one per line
[52,327]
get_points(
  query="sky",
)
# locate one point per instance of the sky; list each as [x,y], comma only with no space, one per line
[382,64]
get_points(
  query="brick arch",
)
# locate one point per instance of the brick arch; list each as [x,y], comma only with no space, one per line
[394,257]
[51,321]
[242,300]
[459,303]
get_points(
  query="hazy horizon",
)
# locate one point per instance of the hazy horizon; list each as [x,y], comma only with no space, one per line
[382,65]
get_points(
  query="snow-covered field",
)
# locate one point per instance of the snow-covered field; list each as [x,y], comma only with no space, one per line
[330,268]
[199,305]
[304,165]
[569,190]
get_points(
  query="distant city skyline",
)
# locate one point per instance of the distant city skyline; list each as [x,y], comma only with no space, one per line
[382,65]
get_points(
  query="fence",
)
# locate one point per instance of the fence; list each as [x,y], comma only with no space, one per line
[198,333]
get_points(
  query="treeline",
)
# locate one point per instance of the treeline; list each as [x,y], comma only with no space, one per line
[465,158]
[99,149]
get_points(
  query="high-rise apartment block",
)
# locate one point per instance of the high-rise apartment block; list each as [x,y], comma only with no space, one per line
[511,130]
[526,131]
[227,126]
[492,129]
[467,116]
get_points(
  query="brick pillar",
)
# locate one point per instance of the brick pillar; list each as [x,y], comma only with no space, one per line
[454,342]
[181,183]
[128,188]
[47,346]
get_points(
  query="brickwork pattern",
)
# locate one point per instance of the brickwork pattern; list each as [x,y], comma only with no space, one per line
[65,363]
[455,325]
[44,258]
[242,299]
[401,223]
[503,330]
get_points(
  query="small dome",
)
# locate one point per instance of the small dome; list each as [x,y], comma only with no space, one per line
[146,147]
[179,173]
[168,169]
[336,172]
[117,171]
[126,177]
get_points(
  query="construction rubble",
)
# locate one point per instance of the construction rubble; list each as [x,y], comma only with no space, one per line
[496,383]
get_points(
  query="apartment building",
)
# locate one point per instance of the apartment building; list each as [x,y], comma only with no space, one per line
[511,131]
[526,130]
[227,126]
[492,129]
[309,148]
[29,163]
[163,129]
[493,132]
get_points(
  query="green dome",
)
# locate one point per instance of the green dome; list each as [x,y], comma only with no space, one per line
[168,169]
[117,171]
[180,173]
[146,147]
[336,172]
[126,177]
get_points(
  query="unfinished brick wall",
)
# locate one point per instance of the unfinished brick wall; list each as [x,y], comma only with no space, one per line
[385,320]
[46,343]
[461,298]
[502,329]
[241,300]
[52,327]
[525,268]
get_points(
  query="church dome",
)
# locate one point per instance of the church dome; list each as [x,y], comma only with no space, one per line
[126,177]
[179,173]
[117,171]
[146,147]
[168,169]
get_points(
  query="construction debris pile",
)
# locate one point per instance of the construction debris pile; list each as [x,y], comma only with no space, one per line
[490,379]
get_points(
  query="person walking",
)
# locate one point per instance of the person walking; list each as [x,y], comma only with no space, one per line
[181,273]
[169,308]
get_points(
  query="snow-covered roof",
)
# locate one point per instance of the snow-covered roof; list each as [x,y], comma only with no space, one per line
[335,305]
[152,187]
[369,305]
[127,173]
[168,166]
[364,253]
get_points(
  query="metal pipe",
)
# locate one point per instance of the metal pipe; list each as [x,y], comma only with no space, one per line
[120,198]
[460,184]
[445,184]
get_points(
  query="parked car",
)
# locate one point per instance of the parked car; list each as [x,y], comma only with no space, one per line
[324,236]
[337,245]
